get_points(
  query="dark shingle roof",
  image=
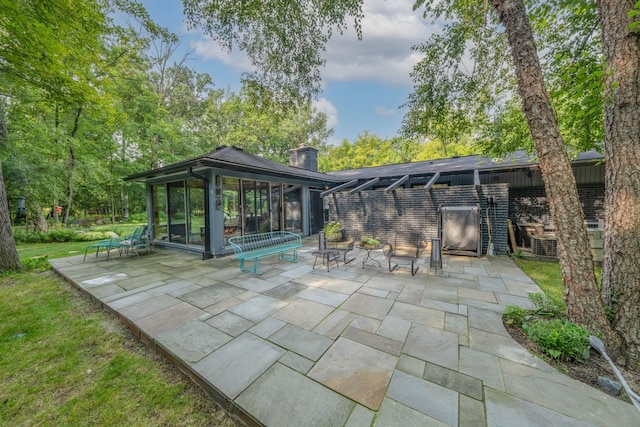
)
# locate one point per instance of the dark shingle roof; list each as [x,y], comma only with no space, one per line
[463,164]
[234,158]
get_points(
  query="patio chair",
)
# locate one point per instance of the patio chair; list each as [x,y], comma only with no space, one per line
[106,244]
[135,241]
[344,247]
[148,237]
[408,259]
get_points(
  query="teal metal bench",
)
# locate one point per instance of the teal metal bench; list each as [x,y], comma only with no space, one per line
[252,247]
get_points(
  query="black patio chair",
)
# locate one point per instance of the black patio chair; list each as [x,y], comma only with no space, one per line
[346,246]
[408,259]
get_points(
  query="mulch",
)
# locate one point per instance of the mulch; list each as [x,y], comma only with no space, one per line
[586,371]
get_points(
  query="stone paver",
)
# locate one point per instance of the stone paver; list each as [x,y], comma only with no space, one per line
[283,397]
[350,347]
[193,340]
[237,364]
[356,371]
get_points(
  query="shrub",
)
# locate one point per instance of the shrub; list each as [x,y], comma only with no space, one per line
[21,236]
[514,315]
[547,307]
[60,235]
[93,235]
[138,217]
[37,264]
[560,339]
[333,231]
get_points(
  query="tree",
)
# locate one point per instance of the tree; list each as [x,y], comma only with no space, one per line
[245,24]
[284,40]
[581,291]
[621,269]
[9,259]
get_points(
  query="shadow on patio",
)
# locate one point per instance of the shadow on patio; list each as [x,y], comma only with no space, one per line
[352,346]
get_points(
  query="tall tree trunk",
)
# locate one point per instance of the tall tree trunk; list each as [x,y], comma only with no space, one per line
[9,259]
[581,292]
[71,165]
[621,265]
[39,223]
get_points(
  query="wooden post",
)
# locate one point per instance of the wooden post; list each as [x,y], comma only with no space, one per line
[512,237]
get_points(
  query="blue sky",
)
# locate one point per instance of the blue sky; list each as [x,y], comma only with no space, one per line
[364,82]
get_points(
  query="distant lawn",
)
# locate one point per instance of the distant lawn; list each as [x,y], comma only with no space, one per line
[63,361]
[65,249]
[547,276]
[52,250]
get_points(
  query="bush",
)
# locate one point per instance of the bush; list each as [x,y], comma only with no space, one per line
[92,235]
[138,217]
[58,235]
[21,236]
[61,235]
[547,307]
[560,339]
[36,264]
[333,231]
[514,315]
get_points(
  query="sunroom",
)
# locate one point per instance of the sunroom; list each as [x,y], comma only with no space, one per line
[197,204]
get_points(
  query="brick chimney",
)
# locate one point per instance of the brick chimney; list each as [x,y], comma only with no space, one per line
[304,157]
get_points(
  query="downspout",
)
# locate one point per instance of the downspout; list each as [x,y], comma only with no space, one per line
[207,219]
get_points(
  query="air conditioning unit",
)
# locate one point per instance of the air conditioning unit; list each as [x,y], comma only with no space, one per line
[544,245]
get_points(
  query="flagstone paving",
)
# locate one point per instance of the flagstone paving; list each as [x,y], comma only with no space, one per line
[349,347]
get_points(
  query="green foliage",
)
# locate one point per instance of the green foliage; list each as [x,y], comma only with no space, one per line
[560,339]
[634,14]
[37,264]
[67,362]
[284,40]
[370,241]
[514,315]
[517,255]
[333,231]
[370,150]
[59,235]
[546,306]
[138,217]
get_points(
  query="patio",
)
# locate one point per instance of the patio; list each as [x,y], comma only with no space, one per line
[352,346]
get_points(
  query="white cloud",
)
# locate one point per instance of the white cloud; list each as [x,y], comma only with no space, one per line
[384,54]
[210,49]
[384,111]
[325,106]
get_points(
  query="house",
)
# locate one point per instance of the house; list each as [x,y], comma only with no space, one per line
[197,204]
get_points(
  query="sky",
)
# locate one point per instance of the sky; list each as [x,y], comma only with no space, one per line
[364,82]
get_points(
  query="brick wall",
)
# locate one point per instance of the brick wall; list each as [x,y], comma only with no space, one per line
[401,214]
[529,205]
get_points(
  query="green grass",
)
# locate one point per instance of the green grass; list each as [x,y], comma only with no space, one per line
[61,250]
[547,276]
[63,361]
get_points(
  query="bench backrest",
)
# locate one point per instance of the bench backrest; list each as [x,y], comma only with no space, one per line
[252,242]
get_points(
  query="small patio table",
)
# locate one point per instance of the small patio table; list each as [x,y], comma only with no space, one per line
[326,254]
[369,258]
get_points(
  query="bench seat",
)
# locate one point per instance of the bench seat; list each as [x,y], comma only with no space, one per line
[253,247]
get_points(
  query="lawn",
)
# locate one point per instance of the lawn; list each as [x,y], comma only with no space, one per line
[64,361]
[61,250]
[547,276]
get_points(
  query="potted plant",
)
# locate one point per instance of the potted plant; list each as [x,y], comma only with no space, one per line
[333,231]
[370,242]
